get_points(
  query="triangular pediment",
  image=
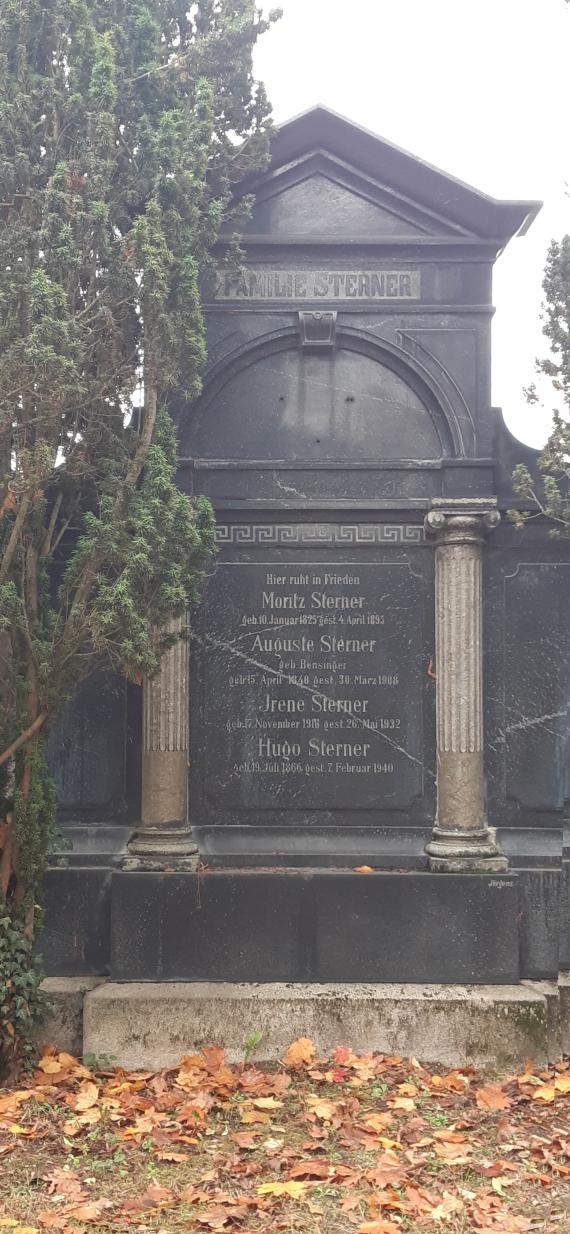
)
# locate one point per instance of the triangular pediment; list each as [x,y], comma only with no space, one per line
[318,196]
[330,178]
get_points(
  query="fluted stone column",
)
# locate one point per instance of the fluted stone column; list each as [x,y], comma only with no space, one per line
[462,839]
[164,839]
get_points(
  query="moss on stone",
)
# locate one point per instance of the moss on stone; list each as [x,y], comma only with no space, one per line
[532,1020]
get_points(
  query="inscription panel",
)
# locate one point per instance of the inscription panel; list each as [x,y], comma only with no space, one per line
[268,283]
[313,684]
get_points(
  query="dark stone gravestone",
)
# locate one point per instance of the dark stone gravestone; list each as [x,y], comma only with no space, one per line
[315,695]
[368,612]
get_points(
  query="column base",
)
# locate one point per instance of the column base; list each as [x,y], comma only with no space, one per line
[465,852]
[165,847]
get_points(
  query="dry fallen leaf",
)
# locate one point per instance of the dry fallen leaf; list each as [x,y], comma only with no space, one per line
[69,1060]
[89,1117]
[450,1205]
[92,1211]
[402,1103]
[300,1053]
[288,1166]
[250,1139]
[87,1096]
[546,1093]
[321,1108]
[293,1189]
[378,1122]
[158,1196]
[312,1169]
[492,1097]
[253,1116]
[11,1101]
[65,1182]
[419,1202]
[379,1227]
[50,1065]
[215,1219]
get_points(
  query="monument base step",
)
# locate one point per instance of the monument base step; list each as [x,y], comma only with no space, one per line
[315,926]
[148,1026]
[213,945]
[63,1026]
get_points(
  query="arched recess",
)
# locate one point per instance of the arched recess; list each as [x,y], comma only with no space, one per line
[362,400]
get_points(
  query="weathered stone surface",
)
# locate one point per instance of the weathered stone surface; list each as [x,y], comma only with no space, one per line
[314,925]
[164,838]
[551,992]
[146,1025]
[461,839]
[63,1028]
[541,928]
[76,935]
[564,993]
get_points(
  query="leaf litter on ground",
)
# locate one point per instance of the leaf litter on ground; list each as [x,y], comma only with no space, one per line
[347,1144]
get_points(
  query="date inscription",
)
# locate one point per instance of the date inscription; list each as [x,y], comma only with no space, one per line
[313,686]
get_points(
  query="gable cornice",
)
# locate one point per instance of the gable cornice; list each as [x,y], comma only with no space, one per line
[428,188]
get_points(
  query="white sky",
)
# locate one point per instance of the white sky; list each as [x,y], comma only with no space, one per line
[481,91]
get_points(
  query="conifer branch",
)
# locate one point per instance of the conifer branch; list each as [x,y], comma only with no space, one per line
[13,540]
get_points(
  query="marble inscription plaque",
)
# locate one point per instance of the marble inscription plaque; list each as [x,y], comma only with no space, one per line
[313,686]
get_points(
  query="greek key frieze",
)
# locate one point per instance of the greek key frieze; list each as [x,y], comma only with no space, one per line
[344,535]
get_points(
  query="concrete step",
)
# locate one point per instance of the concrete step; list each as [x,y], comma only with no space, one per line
[147,1025]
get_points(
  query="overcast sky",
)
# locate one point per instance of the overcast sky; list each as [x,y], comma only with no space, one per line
[478,89]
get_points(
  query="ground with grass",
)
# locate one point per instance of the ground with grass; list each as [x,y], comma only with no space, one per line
[347,1145]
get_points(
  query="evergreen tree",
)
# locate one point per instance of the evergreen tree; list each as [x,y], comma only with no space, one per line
[548,493]
[123,126]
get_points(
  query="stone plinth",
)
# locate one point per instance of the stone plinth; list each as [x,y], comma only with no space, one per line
[314,925]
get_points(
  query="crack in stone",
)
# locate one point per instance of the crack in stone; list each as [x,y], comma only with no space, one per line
[535,721]
[289,678]
[526,722]
[288,488]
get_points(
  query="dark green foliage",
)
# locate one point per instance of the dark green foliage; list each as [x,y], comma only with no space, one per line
[34,828]
[124,125]
[550,495]
[22,1003]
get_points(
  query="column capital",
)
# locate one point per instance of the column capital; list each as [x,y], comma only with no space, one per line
[461,520]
